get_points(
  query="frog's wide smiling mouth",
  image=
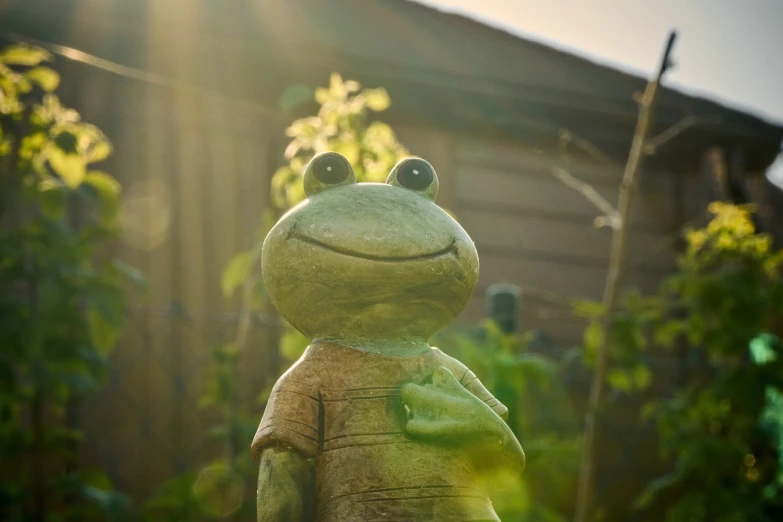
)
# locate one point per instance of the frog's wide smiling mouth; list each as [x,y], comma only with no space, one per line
[451,249]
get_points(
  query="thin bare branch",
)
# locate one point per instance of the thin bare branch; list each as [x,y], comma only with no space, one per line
[617,262]
[561,172]
[611,217]
[597,154]
[656,142]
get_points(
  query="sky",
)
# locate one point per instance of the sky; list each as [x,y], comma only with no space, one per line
[730,51]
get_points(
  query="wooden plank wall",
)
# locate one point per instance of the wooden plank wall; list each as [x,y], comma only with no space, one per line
[533,231]
[195,173]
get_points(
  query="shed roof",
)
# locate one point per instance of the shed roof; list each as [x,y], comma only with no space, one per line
[442,70]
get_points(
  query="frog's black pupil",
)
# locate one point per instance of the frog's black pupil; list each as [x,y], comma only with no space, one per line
[415,175]
[330,170]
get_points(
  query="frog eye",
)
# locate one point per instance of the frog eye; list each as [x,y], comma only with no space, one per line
[415,174]
[327,170]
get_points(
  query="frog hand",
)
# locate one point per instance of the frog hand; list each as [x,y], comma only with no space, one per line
[445,412]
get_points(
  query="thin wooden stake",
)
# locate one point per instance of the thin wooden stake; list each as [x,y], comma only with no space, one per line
[613,281]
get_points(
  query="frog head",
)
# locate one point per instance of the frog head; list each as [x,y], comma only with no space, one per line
[369,262]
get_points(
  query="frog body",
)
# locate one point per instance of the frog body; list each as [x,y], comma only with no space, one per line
[372,423]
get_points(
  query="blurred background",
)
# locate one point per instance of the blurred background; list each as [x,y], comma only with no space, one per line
[527,110]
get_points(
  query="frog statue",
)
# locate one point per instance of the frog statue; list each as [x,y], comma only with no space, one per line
[372,423]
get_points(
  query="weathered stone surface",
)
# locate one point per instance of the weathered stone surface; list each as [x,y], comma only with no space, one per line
[372,423]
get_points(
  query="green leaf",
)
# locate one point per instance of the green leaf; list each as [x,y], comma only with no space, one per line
[102,332]
[350,149]
[107,296]
[218,431]
[236,273]
[24,55]
[76,376]
[642,376]
[292,344]
[352,86]
[287,187]
[32,144]
[649,411]
[377,99]
[593,339]
[132,274]
[652,490]
[620,380]
[59,434]
[44,77]
[104,184]
[99,150]
[667,333]
[588,309]
[95,479]
[696,329]
[379,137]
[644,500]
[336,85]
[113,504]
[70,167]
[762,348]
[532,367]
[108,190]
[321,95]
[52,198]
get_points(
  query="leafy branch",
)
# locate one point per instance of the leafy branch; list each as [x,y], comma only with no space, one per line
[61,311]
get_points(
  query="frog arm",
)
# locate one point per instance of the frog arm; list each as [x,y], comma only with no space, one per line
[445,412]
[286,486]
[502,452]
[494,446]
[510,456]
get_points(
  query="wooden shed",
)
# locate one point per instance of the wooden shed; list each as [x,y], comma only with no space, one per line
[195,95]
